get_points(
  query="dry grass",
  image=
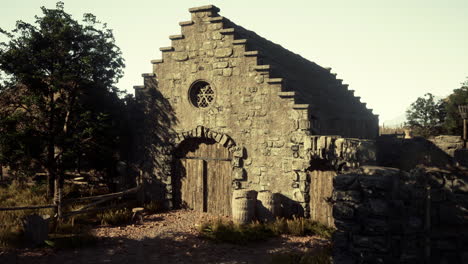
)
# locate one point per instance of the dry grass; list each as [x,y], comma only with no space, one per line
[19,194]
[227,231]
[115,216]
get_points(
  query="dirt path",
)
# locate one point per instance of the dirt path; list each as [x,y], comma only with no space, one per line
[164,238]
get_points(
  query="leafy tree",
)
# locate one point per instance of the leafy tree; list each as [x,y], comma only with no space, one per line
[57,96]
[425,116]
[453,123]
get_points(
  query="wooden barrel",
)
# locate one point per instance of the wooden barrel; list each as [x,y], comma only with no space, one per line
[268,206]
[243,206]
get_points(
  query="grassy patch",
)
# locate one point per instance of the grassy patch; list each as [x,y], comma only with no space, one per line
[229,232]
[222,231]
[19,194]
[322,256]
[115,216]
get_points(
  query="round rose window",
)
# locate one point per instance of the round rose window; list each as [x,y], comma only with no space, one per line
[201,94]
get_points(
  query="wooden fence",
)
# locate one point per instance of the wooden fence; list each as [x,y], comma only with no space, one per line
[96,200]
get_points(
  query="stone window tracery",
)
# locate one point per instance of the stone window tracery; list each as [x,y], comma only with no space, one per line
[202,94]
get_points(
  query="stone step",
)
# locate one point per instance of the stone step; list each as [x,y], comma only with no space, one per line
[262,67]
[286,94]
[216,19]
[274,80]
[253,53]
[226,31]
[301,106]
[239,41]
[174,37]
[204,8]
[157,61]
[163,49]
[185,23]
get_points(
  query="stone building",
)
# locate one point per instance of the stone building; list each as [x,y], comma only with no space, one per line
[227,109]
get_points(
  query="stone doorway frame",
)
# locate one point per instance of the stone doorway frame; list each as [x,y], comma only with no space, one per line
[239,175]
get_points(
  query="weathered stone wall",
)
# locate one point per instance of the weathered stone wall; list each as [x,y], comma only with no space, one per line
[448,144]
[385,215]
[247,110]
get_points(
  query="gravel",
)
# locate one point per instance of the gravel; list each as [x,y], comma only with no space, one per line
[170,237]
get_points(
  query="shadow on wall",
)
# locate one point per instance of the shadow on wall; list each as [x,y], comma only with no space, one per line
[153,136]
[384,215]
[407,154]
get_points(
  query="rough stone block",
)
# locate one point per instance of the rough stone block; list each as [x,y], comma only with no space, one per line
[227,72]
[220,65]
[223,52]
[180,56]
[343,181]
[343,211]
[350,196]
[377,243]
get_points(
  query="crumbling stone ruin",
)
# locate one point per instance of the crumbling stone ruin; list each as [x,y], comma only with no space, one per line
[225,109]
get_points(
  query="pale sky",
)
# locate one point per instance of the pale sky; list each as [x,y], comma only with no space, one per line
[389,51]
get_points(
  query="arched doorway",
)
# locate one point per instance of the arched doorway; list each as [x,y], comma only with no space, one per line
[202,176]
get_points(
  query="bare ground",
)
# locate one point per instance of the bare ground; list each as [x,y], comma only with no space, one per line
[170,237]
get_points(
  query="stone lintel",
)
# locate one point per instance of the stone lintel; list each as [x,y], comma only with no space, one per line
[204,8]
[251,53]
[226,31]
[138,87]
[301,106]
[262,67]
[274,80]
[174,37]
[239,41]
[286,94]
[166,49]
[148,75]
[157,61]
[216,19]
[186,23]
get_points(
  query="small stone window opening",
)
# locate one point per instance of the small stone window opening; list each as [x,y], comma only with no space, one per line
[201,94]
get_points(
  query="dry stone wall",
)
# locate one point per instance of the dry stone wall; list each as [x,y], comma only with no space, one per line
[385,215]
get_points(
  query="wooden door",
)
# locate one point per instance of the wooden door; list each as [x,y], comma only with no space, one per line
[321,189]
[202,179]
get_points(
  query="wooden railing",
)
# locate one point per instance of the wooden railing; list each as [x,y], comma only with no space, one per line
[99,199]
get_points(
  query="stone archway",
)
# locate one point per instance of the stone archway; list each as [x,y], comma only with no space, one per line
[207,166]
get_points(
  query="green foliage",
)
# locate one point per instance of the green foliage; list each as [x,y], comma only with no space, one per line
[229,232]
[322,256]
[425,116]
[58,102]
[115,216]
[453,123]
